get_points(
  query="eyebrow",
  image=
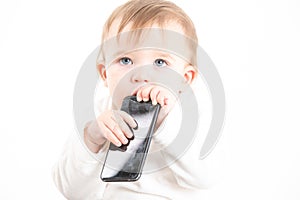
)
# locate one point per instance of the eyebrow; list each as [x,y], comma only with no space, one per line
[159,53]
[164,55]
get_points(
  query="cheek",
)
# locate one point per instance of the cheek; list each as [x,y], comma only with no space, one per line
[112,79]
[118,85]
[179,69]
[115,73]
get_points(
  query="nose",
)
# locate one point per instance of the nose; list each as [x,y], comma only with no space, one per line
[142,74]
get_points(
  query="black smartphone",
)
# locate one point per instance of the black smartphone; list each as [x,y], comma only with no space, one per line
[125,163]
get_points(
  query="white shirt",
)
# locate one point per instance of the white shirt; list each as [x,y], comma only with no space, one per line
[77,172]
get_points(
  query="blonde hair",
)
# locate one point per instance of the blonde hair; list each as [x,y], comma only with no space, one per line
[144,13]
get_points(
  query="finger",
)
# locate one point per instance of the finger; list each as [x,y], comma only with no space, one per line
[153,95]
[115,129]
[125,129]
[160,98]
[128,119]
[120,135]
[146,93]
[110,136]
[139,94]
[123,126]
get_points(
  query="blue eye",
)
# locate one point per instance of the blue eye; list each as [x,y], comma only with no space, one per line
[125,61]
[160,63]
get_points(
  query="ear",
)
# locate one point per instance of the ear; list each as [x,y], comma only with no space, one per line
[102,72]
[189,74]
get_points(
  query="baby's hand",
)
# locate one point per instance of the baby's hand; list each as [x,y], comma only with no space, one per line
[157,94]
[110,125]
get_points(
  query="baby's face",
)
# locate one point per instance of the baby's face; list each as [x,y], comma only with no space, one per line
[128,71]
[135,69]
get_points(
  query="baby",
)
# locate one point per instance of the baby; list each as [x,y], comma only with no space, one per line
[148,50]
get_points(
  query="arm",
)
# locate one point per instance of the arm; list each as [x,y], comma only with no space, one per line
[76,174]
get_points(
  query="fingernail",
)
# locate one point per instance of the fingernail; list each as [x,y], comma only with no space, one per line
[154,102]
[138,99]
[130,135]
[145,99]
[119,143]
[125,141]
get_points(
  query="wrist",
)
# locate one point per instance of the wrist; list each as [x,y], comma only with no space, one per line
[93,147]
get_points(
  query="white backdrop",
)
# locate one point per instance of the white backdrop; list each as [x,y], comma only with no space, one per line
[254,44]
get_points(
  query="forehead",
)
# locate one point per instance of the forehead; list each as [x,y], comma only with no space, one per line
[170,39]
[169,25]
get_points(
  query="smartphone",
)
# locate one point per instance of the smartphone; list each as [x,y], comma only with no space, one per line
[125,163]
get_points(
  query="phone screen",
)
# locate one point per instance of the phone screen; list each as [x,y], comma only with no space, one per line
[125,163]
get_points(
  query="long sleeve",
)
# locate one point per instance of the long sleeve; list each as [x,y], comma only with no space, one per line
[76,174]
[189,171]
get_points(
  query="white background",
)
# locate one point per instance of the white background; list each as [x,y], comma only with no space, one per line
[254,44]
